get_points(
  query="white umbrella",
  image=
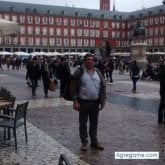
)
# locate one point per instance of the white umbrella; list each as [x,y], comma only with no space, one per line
[21,53]
[8,27]
[6,53]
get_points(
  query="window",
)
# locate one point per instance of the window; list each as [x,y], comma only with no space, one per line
[79,42]
[161,41]
[44,31]
[92,23]
[58,21]
[73,42]
[92,33]
[37,30]
[66,42]
[44,20]
[7,40]
[162,30]
[105,24]
[113,25]
[92,43]
[72,32]
[117,25]
[79,32]
[156,20]
[22,41]
[97,33]
[58,42]
[85,23]
[72,22]
[30,30]
[37,20]
[162,19]
[51,31]
[86,42]
[22,30]
[65,32]
[44,41]
[113,34]
[22,19]
[151,21]
[79,22]
[30,40]
[105,33]
[65,20]
[151,31]
[86,32]
[51,20]
[58,30]
[30,19]
[97,23]
[156,30]
[51,41]
[37,41]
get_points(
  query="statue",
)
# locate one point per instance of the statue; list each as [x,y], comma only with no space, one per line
[139,30]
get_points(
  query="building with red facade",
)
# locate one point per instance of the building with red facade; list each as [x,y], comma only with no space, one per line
[104,4]
[56,28]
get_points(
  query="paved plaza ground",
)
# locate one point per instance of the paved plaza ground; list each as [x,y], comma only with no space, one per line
[127,123]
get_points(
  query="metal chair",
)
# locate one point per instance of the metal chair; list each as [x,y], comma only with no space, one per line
[15,122]
[63,160]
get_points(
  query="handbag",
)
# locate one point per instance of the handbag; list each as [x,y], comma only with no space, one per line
[52,85]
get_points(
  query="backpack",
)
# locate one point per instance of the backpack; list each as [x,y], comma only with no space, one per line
[67,95]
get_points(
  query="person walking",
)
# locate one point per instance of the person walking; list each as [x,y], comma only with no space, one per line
[63,71]
[134,73]
[34,74]
[111,68]
[88,90]
[161,110]
[46,74]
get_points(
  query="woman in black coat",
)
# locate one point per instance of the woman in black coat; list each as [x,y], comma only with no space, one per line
[134,73]
[46,75]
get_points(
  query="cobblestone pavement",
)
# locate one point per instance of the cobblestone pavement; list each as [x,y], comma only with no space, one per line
[127,123]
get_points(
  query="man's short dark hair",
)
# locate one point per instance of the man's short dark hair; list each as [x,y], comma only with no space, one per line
[88,55]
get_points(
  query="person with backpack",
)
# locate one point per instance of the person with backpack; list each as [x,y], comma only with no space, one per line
[134,73]
[88,91]
[161,110]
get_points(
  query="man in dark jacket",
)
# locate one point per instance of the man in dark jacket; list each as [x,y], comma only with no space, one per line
[88,90]
[34,73]
[161,110]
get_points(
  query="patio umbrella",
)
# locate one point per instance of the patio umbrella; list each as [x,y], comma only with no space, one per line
[8,27]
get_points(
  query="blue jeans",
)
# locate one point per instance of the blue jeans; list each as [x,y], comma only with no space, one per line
[34,86]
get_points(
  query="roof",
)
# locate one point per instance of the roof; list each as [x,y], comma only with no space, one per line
[73,11]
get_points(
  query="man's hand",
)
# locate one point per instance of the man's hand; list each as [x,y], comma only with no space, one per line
[76,105]
[101,106]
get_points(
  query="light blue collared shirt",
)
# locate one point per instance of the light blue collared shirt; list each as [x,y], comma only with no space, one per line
[90,86]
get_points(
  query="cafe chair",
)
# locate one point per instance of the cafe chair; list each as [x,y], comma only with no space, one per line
[18,120]
[63,160]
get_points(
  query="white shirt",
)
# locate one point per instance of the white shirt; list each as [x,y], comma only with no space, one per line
[90,86]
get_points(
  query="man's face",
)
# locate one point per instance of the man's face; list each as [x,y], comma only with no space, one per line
[89,62]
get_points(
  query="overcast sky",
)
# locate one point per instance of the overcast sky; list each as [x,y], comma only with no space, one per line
[120,5]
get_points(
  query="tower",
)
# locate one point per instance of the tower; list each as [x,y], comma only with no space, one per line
[104,4]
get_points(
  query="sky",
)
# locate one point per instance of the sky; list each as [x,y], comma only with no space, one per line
[120,5]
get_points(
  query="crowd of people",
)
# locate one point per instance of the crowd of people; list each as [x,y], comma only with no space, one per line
[88,85]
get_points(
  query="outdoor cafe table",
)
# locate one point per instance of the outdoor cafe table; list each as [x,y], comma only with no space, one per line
[5,104]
